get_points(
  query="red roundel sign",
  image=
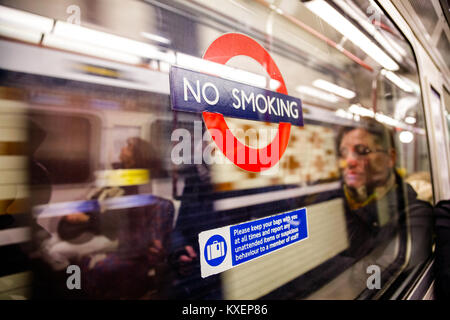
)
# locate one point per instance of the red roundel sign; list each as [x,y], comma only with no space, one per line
[221,51]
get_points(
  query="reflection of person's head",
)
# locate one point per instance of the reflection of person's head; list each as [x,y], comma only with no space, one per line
[367,155]
[138,154]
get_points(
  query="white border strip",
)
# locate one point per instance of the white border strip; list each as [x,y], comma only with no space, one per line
[29,59]
[245,201]
[15,235]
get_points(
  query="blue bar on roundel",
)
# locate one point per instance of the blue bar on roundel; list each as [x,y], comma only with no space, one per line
[253,239]
[197,92]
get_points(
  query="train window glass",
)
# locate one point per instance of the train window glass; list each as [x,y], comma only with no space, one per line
[14,195]
[359,164]
[447,109]
[438,112]
[67,160]
[386,113]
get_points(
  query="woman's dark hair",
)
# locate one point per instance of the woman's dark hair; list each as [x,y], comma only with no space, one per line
[384,135]
[144,156]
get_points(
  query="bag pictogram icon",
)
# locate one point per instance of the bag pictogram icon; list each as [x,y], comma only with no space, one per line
[215,250]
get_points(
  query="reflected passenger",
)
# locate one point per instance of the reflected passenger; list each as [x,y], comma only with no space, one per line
[121,251]
[377,198]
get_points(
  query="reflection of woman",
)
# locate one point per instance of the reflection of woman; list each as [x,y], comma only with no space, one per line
[139,234]
[136,154]
[139,154]
[376,197]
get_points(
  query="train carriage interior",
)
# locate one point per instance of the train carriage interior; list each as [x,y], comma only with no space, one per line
[101,172]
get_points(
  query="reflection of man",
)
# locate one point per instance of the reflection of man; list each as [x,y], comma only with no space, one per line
[377,199]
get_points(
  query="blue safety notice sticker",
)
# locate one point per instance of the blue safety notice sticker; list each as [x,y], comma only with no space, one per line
[226,247]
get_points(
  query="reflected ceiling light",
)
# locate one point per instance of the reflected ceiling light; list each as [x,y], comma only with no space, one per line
[414,85]
[398,81]
[354,12]
[275,8]
[98,39]
[22,25]
[406,137]
[410,120]
[351,32]
[395,45]
[328,86]
[154,64]
[405,105]
[356,109]
[20,34]
[164,67]
[313,92]
[53,41]
[274,84]
[389,38]
[364,112]
[221,70]
[155,37]
[344,114]
[387,120]
[24,20]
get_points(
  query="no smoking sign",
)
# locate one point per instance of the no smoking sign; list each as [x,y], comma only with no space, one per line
[216,97]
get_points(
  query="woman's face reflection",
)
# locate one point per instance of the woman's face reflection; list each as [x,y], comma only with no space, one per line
[126,157]
[363,161]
